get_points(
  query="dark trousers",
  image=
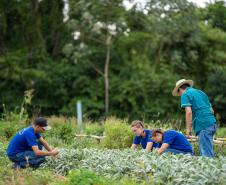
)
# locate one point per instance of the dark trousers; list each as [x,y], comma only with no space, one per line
[27,159]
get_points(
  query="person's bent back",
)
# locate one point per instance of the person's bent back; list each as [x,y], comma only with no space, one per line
[142,136]
[172,141]
[25,148]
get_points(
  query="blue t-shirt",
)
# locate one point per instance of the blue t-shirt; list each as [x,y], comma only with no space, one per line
[176,141]
[202,116]
[23,141]
[144,140]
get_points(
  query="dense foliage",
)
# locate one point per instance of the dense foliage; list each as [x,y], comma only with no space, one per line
[117,61]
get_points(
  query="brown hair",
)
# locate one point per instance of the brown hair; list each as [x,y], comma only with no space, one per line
[137,123]
[155,131]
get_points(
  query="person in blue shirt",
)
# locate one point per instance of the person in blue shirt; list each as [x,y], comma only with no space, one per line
[25,148]
[142,136]
[199,114]
[172,141]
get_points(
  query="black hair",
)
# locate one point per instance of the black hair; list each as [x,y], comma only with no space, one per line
[184,86]
[40,121]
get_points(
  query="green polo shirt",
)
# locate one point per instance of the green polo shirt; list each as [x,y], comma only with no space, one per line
[202,116]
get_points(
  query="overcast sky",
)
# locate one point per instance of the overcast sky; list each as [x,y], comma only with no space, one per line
[200,3]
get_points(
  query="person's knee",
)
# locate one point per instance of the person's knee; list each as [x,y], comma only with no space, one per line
[35,163]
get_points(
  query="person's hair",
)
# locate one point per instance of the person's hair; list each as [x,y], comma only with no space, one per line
[40,121]
[155,131]
[137,123]
[184,86]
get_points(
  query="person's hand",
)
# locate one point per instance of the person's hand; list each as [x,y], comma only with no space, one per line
[54,152]
[188,133]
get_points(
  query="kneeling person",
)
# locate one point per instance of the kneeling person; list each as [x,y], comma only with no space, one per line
[25,148]
[142,136]
[172,141]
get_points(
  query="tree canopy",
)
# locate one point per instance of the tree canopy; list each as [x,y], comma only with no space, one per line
[118,62]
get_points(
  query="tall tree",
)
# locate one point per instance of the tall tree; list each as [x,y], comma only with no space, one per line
[95,25]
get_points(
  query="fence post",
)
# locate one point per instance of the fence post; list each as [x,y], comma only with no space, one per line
[79,115]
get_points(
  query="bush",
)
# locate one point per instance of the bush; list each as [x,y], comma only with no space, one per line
[65,132]
[221,132]
[8,129]
[85,143]
[117,134]
[60,120]
[94,129]
[216,85]
[2,152]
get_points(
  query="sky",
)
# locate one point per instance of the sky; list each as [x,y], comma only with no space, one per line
[199,3]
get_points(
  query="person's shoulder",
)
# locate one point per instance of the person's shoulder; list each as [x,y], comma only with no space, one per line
[147,130]
[171,132]
[202,92]
[137,137]
[29,130]
[198,92]
[190,89]
[169,135]
[187,92]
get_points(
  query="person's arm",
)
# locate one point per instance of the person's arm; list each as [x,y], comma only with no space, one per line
[134,146]
[44,153]
[149,146]
[136,142]
[45,144]
[163,148]
[188,118]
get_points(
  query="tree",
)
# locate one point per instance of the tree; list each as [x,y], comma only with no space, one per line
[95,26]
[215,14]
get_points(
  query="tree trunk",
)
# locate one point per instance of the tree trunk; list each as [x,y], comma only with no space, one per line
[106,73]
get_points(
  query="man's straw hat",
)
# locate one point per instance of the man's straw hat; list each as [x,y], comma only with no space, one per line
[179,83]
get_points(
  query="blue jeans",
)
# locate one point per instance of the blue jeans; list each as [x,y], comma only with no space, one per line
[27,159]
[205,139]
[175,151]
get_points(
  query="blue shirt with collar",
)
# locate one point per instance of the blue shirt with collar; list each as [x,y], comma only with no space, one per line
[176,141]
[144,140]
[23,141]
[202,116]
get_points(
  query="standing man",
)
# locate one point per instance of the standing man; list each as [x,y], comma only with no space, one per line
[25,148]
[198,114]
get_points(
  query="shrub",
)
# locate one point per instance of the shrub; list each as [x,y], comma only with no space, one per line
[60,120]
[221,132]
[8,129]
[94,129]
[85,143]
[117,134]
[64,132]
